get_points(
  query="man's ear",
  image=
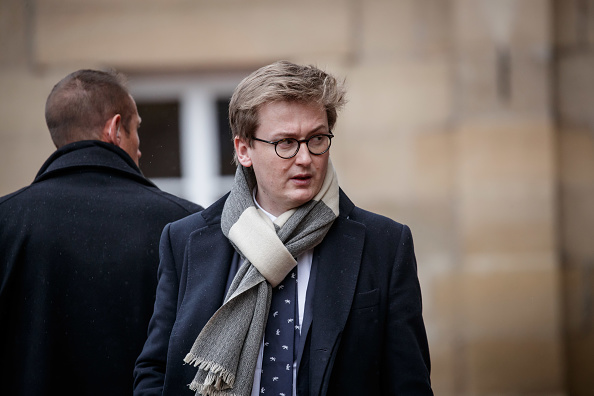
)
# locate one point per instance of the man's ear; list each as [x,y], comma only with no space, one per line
[111,130]
[242,150]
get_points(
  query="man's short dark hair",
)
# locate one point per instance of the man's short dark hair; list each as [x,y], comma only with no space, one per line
[79,105]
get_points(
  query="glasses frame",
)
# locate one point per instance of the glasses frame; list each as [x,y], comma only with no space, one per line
[306,141]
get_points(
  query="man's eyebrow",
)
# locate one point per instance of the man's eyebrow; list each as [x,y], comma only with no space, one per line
[322,126]
[285,134]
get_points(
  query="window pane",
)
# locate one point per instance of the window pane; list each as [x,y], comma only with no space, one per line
[226,165]
[159,139]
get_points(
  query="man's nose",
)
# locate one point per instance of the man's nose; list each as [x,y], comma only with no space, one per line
[303,155]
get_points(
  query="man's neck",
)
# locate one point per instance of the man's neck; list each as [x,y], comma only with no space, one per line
[270,215]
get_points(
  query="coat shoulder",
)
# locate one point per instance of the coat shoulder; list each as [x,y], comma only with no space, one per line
[367,217]
[188,223]
[182,203]
[375,224]
[8,197]
[210,216]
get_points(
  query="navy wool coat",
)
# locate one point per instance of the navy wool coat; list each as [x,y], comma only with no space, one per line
[366,335]
[78,272]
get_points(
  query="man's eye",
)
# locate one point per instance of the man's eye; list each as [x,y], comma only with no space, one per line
[285,143]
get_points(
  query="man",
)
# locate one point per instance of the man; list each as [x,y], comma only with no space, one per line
[78,249]
[284,286]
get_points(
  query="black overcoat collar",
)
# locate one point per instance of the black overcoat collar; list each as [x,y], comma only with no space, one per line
[89,154]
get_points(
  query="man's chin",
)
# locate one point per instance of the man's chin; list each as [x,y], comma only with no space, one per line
[302,198]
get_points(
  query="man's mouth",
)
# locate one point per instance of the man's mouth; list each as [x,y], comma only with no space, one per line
[301,178]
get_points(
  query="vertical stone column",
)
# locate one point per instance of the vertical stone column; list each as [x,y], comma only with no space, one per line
[507,278]
[574,96]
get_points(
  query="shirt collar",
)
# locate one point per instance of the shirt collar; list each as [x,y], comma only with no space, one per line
[270,216]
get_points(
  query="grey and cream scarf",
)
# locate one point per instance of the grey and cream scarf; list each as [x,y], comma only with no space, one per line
[226,350]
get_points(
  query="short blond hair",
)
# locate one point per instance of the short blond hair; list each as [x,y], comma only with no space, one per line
[279,82]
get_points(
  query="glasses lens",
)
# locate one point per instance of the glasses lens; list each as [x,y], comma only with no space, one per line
[318,144]
[286,148]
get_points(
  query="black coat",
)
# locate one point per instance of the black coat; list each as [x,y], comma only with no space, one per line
[366,335]
[78,272]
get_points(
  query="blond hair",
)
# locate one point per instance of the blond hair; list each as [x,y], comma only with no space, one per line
[282,81]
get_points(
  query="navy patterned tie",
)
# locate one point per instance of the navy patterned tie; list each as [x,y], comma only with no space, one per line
[282,326]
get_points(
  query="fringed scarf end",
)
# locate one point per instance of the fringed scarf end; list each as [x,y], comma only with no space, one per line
[217,378]
[208,390]
[191,359]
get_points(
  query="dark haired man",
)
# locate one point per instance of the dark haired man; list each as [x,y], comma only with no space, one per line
[79,248]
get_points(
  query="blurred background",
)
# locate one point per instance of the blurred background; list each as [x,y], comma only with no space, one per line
[469,120]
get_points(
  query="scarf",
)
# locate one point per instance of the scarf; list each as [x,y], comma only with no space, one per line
[226,350]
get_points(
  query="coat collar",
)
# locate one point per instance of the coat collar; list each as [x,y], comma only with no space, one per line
[213,213]
[90,154]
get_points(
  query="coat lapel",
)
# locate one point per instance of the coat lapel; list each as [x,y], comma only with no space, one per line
[209,255]
[338,268]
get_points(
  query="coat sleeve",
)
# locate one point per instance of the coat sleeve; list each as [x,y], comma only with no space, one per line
[406,348]
[149,373]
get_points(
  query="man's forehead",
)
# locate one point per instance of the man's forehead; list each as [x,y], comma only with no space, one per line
[289,104]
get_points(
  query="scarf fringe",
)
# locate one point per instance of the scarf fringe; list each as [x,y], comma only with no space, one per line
[208,390]
[218,377]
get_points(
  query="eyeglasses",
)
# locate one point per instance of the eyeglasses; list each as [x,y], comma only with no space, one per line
[289,147]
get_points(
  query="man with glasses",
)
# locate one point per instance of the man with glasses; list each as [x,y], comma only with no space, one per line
[284,286]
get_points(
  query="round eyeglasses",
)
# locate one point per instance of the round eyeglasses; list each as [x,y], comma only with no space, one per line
[289,147]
